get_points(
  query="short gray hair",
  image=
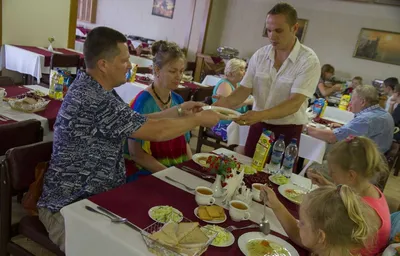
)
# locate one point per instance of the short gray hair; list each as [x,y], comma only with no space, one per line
[234,65]
[369,93]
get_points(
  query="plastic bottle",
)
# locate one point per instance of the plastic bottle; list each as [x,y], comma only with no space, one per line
[289,158]
[58,88]
[277,154]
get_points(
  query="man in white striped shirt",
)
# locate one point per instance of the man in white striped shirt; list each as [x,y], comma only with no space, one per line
[282,77]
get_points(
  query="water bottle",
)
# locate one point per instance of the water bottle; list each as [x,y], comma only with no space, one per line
[277,153]
[289,159]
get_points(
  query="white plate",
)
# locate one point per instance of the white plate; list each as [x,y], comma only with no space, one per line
[234,113]
[210,221]
[174,209]
[199,159]
[283,188]
[245,238]
[271,178]
[228,243]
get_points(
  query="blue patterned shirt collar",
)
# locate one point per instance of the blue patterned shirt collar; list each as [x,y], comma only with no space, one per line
[373,107]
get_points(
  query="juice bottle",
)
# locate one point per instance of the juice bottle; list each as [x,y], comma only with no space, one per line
[58,88]
[262,149]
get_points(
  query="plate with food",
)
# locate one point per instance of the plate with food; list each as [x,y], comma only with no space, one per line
[224,238]
[279,179]
[201,159]
[258,244]
[165,213]
[249,170]
[226,113]
[28,102]
[213,214]
[292,192]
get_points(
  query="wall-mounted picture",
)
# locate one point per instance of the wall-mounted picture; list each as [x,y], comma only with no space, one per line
[164,8]
[300,33]
[378,45]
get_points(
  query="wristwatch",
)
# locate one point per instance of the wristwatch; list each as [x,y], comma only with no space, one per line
[180,110]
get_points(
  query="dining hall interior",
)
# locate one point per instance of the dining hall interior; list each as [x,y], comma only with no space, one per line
[196,125]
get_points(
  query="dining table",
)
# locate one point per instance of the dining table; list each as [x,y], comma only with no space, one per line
[31,60]
[88,233]
[47,117]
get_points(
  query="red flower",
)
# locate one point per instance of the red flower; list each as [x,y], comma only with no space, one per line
[224,184]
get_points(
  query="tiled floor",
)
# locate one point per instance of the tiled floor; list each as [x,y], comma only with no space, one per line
[392,193]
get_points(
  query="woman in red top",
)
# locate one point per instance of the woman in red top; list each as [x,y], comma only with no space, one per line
[355,162]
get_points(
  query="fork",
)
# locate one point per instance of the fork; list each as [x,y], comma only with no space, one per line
[233,228]
[187,188]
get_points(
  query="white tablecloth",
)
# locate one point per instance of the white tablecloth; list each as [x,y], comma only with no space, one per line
[19,116]
[79,45]
[129,91]
[140,61]
[85,228]
[211,80]
[337,115]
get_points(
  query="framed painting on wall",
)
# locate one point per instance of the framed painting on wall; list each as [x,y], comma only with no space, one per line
[378,45]
[301,32]
[164,8]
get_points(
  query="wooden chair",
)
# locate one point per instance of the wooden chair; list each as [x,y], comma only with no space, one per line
[391,158]
[62,61]
[6,80]
[185,93]
[207,137]
[17,172]
[201,94]
[19,134]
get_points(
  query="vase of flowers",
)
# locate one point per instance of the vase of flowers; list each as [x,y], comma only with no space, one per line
[222,166]
[51,40]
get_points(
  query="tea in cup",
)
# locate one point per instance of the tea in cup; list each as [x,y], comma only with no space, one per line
[3,94]
[204,196]
[256,191]
[238,210]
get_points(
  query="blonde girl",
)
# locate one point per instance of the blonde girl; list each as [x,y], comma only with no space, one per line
[333,221]
[356,162]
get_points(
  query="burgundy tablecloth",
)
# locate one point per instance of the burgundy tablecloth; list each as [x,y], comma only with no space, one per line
[8,121]
[47,54]
[293,208]
[134,199]
[51,111]
[69,52]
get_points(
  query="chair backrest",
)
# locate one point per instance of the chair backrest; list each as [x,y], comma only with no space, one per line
[185,93]
[19,134]
[20,164]
[201,93]
[64,61]
[17,172]
[5,80]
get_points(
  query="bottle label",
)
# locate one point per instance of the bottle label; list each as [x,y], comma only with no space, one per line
[276,157]
[288,162]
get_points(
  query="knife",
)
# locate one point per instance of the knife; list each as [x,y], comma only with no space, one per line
[129,224]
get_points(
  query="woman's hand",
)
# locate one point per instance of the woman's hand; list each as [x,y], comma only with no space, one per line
[317,178]
[190,107]
[269,197]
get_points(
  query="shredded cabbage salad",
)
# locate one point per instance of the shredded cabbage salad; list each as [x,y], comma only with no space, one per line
[165,214]
[223,236]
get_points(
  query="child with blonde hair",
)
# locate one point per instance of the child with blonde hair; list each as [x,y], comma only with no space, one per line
[355,162]
[333,221]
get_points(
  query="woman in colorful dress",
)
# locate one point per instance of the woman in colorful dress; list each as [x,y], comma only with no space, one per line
[234,72]
[150,157]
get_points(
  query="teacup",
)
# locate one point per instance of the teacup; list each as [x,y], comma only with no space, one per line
[256,191]
[238,210]
[3,93]
[204,196]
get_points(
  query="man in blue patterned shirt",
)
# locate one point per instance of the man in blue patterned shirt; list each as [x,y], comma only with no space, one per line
[370,120]
[92,124]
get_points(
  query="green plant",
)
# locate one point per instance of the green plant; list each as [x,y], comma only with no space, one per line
[51,39]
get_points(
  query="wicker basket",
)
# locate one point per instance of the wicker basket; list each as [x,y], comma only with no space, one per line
[162,250]
[28,108]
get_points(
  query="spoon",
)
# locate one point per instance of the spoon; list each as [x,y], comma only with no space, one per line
[264,224]
[114,220]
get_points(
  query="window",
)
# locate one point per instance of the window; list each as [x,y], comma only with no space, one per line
[87,10]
